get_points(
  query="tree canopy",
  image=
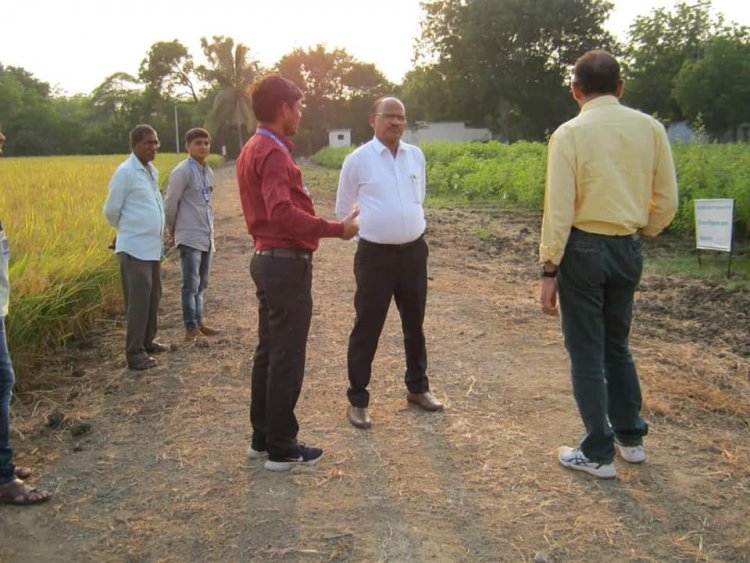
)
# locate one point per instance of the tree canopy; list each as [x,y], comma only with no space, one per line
[501,64]
[338,92]
[659,44]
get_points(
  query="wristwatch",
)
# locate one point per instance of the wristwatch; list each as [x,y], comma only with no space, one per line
[547,273]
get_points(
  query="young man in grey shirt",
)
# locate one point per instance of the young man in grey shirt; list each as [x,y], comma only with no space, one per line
[190,223]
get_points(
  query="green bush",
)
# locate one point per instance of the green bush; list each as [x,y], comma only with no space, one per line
[513,174]
[331,157]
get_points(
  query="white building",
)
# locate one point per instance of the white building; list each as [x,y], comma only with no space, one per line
[423,131]
[339,137]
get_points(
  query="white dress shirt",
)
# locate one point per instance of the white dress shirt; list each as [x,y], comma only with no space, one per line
[389,192]
[134,207]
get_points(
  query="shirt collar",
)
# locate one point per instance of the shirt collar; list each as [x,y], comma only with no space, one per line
[600,101]
[289,144]
[380,147]
[136,163]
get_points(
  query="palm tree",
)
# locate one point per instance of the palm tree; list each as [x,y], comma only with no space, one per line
[231,74]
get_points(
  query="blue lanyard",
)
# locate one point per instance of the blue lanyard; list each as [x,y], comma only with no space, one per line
[271,135]
[205,188]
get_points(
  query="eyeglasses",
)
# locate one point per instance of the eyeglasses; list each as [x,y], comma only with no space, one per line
[397,116]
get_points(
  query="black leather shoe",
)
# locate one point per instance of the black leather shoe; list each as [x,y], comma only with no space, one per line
[359,417]
[425,401]
[147,363]
[157,348]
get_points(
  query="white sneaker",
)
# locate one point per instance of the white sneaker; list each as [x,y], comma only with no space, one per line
[573,458]
[256,454]
[631,454]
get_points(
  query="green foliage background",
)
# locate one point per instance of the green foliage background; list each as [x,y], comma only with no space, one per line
[513,174]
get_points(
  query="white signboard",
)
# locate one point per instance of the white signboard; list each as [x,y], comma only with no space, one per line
[713,224]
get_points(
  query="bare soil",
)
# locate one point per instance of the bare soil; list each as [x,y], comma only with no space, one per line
[152,467]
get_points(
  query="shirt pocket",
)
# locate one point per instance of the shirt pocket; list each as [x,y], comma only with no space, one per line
[416,186]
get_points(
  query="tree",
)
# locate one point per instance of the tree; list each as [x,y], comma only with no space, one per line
[167,68]
[338,92]
[26,113]
[504,63]
[659,45]
[716,88]
[115,96]
[429,96]
[231,72]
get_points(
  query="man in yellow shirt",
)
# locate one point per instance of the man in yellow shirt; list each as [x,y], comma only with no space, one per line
[610,180]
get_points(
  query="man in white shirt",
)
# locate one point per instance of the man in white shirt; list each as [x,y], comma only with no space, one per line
[134,206]
[386,179]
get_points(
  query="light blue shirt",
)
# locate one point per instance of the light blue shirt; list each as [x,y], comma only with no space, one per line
[135,208]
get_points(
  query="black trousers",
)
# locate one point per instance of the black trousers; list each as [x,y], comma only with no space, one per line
[284,291]
[381,272]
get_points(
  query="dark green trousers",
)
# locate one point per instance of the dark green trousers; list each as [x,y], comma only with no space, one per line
[597,280]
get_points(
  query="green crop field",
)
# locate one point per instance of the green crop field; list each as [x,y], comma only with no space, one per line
[513,174]
[61,272]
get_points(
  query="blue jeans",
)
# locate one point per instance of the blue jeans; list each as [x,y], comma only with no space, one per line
[597,280]
[195,265]
[7,379]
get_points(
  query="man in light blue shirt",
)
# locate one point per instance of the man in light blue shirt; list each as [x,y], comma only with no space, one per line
[135,208]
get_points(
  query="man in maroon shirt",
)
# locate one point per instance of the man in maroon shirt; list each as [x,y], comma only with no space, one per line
[281,219]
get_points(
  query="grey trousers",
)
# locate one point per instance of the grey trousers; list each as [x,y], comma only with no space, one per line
[141,288]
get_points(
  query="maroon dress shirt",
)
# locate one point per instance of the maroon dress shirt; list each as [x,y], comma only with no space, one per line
[278,210]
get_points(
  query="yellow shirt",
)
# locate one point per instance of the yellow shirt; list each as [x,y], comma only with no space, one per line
[610,172]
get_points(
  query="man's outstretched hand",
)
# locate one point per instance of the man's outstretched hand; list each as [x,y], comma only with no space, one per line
[351,225]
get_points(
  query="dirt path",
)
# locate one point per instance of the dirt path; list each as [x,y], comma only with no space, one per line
[152,467]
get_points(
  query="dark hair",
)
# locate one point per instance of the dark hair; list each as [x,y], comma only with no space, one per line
[270,93]
[597,72]
[196,133]
[140,132]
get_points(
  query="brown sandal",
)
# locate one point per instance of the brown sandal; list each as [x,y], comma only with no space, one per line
[23,472]
[16,492]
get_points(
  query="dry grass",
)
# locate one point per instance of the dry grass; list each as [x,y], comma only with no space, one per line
[162,474]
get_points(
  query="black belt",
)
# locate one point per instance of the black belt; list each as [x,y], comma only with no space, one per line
[294,253]
[403,246]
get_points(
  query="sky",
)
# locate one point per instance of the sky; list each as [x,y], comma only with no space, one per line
[75,44]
